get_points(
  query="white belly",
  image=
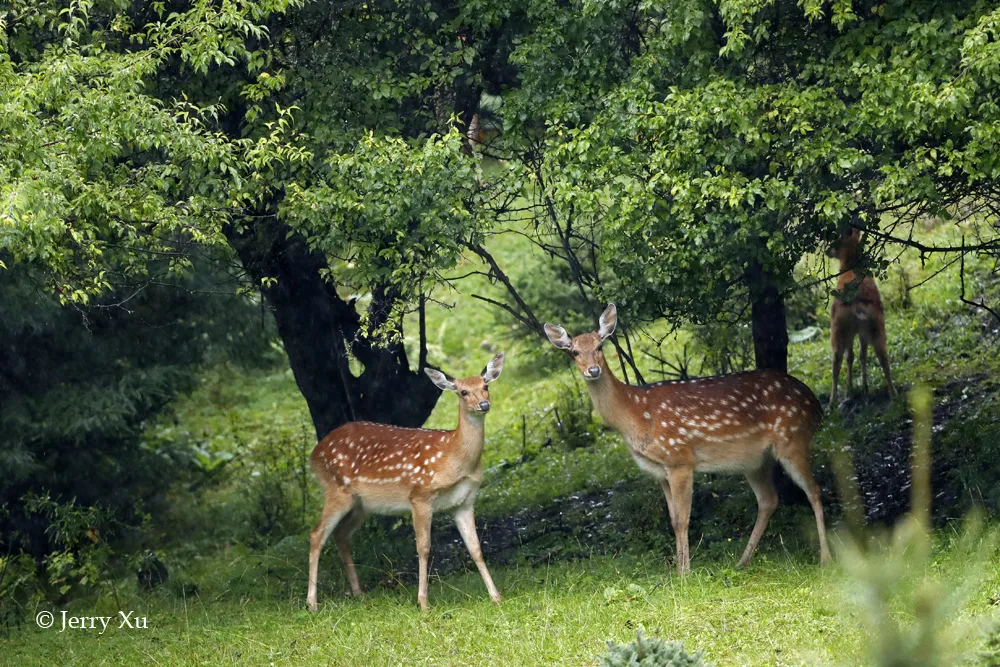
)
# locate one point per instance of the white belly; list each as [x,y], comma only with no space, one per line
[650,467]
[382,505]
[457,495]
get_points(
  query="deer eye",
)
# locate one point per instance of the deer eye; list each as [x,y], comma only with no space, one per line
[465,393]
[574,353]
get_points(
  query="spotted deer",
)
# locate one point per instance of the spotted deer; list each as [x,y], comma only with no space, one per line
[859,314]
[739,423]
[365,467]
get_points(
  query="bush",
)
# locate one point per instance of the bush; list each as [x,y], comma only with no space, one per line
[79,385]
[808,306]
[574,418]
[724,347]
[19,589]
[83,556]
[989,656]
[277,492]
[650,652]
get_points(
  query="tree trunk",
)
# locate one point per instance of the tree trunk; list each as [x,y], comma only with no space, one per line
[318,329]
[767,316]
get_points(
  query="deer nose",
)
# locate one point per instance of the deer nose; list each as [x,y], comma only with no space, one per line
[484,406]
[594,371]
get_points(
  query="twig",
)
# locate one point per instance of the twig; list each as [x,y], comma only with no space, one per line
[982,304]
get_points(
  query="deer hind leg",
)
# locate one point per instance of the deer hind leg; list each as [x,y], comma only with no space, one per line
[881,351]
[422,512]
[864,364]
[838,356]
[681,484]
[850,367]
[670,501]
[337,504]
[342,535]
[796,464]
[767,501]
[466,522]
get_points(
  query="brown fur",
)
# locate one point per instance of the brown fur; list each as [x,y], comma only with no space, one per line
[739,423]
[365,467]
[862,316]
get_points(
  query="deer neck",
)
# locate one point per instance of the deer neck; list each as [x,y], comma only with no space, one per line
[470,434]
[609,394]
[849,258]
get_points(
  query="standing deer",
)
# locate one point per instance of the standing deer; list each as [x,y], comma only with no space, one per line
[474,135]
[860,316]
[365,467]
[739,423]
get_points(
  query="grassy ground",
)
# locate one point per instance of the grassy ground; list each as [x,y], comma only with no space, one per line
[576,538]
[783,611]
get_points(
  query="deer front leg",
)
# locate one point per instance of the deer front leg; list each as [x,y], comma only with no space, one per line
[337,505]
[681,482]
[466,523]
[422,512]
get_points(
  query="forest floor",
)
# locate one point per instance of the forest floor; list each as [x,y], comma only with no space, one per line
[576,538]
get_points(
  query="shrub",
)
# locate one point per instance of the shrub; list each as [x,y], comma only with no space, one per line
[79,385]
[650,652]
[989,656]
[277,491]
[574,419]
[19,589]
[85,555]
[724,347]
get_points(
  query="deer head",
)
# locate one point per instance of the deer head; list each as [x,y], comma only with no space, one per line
[586,348]
[473,392]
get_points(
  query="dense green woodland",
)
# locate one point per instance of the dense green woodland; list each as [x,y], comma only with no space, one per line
[228,227]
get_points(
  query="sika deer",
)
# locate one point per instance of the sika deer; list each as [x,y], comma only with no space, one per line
[739,423]
[861,315]
[365,467]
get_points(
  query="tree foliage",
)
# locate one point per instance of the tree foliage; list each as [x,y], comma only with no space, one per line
[79,384]
[678,157]
[710,145]
[101,177]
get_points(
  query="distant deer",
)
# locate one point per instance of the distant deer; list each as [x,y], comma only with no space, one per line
[475,135]
[365,467]
[739,423]
[861,315]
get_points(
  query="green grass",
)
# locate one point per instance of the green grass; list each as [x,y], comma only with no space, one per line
[782,611]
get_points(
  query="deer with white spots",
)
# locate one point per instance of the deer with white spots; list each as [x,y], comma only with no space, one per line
[365,467]
[739,423]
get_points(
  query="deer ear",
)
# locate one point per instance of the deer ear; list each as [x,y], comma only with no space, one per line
[609,318]
[440,380]
[493,369]
[558,336]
